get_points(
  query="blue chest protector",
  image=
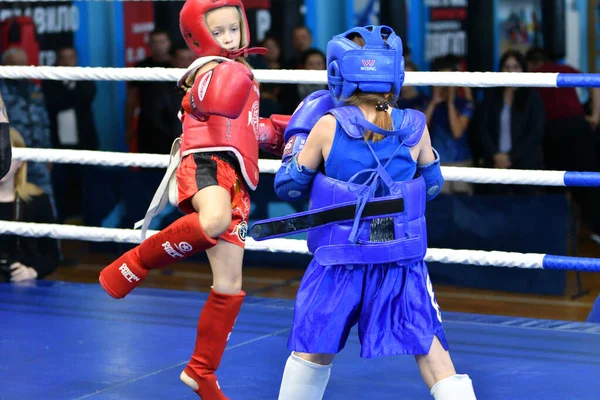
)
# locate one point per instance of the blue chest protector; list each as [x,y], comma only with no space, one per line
[348,223]
[394,235]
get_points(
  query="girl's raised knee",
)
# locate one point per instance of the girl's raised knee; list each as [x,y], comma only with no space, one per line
[215,223]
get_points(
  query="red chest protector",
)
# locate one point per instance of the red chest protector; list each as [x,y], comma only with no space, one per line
[224,134]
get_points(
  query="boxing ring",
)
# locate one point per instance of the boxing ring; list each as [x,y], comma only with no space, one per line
[62,340]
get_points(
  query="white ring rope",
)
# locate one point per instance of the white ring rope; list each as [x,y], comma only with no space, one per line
[96,234]
[115,159]
[471,79]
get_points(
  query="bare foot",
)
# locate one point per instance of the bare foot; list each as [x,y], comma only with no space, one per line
[188,381]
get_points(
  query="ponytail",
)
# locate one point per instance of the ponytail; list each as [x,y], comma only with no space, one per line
[380,102]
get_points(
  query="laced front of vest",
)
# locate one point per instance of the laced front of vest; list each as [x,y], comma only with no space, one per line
[379,178]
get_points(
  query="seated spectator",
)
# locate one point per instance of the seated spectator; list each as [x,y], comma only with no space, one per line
[410,96]
[25,258]
[448,115]
[510,126]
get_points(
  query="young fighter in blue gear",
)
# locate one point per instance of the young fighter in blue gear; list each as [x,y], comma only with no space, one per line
[366,225]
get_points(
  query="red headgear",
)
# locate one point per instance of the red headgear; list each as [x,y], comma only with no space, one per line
[199,39]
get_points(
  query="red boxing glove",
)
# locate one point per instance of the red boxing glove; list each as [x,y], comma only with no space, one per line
[270,133]
[222,91]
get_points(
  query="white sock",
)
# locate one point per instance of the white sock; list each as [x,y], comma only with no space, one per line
[455,387]
[303,380]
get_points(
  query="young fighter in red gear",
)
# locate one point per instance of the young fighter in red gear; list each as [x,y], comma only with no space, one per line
[222,132]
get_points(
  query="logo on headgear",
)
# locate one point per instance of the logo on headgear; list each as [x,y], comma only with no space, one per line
[368,65]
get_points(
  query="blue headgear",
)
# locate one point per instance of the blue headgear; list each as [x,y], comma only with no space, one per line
[378,67]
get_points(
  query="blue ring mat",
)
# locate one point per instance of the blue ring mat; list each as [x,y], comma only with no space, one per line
[62,340]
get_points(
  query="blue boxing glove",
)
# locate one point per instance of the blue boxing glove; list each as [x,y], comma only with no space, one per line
[293,181]
[306,115]
[432,173]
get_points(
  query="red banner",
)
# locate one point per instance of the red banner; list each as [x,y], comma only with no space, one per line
[138,22]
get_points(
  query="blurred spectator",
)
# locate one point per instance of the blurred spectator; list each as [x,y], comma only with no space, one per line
[157,127]
[271,60]
[448,115]
[69,106]
[569,141]
[301,41]
[269,100]
[159,103]
[72,126]
[290,93]
[510,126]
[270,93]
[293,94]
[25,258]
[458,64]
[407,54]
[26,109]
[182,57]
[312,59]
[410,96]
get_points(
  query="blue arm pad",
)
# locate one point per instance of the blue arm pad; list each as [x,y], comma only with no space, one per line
[308,112]
[432,174]
[293,181]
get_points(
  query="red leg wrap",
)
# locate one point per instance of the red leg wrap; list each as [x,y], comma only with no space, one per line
[214,327]
[179,240]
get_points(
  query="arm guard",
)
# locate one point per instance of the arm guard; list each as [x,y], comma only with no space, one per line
[293,181]
[432,174]
[307,114]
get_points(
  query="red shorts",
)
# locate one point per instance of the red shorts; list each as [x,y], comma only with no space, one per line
[200,170]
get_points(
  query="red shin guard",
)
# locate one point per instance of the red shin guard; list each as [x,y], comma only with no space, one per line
[179,240]
[214,327]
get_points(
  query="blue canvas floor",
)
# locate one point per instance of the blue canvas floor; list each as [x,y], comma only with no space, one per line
[71,341]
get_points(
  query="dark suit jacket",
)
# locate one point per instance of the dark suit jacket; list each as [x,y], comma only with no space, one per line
[59,97]
[527,121]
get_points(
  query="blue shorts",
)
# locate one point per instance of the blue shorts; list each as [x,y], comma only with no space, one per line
[394,306]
